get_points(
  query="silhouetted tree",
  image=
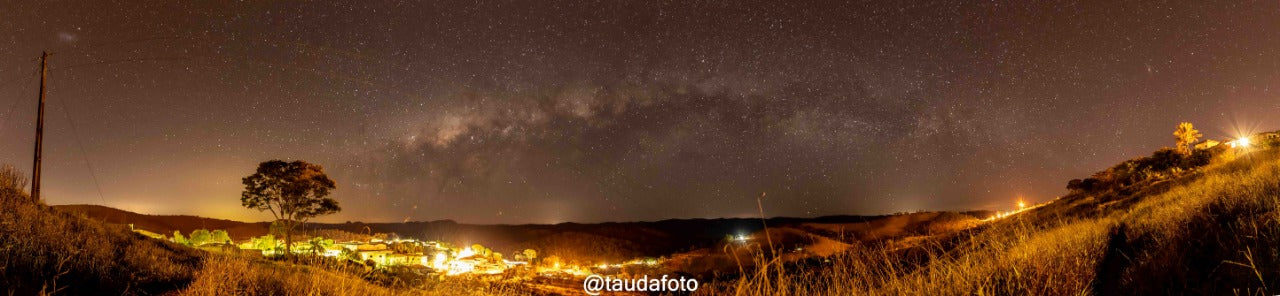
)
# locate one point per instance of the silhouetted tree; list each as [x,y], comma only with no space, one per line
[1185,137]
[1075,185]
[1198,158]
[1164,160]
[294,192]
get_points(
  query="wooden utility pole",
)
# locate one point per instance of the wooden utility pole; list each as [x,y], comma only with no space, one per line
[35,171]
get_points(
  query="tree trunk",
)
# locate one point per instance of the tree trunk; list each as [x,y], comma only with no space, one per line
[288,238]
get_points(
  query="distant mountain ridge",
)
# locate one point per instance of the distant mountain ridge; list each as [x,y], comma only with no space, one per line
[166,224]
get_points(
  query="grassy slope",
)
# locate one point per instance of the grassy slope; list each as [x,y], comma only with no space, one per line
[46,252]
[1215,231]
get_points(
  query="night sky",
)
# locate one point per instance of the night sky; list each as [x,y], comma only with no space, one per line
[589,111]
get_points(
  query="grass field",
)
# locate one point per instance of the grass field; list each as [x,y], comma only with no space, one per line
[1215,230]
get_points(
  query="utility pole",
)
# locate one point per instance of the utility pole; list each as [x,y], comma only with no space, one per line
[35,171]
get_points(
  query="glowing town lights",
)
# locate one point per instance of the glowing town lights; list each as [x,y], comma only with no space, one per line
[741,238]
[466,252]
[1022,207]
[460,267]
[439,262]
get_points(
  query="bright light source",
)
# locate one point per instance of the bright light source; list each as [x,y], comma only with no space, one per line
[1022,204]
[1241,143]
[440,261]
[741,238]
[466,252]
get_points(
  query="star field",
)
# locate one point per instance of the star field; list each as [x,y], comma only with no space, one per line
[587,111]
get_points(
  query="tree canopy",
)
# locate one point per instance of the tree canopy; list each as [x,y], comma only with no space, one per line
[1185,137]
[293,192]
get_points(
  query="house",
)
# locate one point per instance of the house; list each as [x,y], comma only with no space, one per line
[377,256]
[1207,144]
[463,265]
[333,250]
[368,247]
[406,259]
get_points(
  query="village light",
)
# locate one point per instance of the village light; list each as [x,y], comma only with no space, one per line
[465,252]
[439,261]
[1242,142]
[1021,204]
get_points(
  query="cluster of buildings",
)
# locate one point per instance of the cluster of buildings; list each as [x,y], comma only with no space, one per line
[1241,142]
[429,255]
[403,252]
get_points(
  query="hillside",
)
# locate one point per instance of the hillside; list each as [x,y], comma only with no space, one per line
[47,251]
[51,252]
[1207,223]
[600,242]
[167,224]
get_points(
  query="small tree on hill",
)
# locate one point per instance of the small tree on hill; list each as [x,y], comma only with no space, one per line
[200,237]
[294,192]
[220,236]
[178,238]
[1186,136]
[266,242]
[530,254]
[319,245]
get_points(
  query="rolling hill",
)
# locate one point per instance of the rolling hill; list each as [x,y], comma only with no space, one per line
[614,241]
[1205,223]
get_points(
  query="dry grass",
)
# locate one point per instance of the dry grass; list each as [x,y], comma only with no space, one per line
[47,252]
[225,275]
[228,275]
[1215,231]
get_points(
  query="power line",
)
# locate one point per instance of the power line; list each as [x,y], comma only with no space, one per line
[24,75]
[83,154]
